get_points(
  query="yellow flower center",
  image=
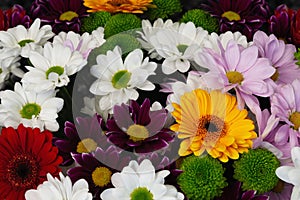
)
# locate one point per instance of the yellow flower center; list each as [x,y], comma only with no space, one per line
[137,132]
[68,16]
[86,145]
[231,16]
[234,77]
[101,176]
[275,76]
[295,119]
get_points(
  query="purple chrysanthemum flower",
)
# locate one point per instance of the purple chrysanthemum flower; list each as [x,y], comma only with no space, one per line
[282,191]
[96,168]
[281,56]
[234,192]
[245,16]
[285,104]
[62,15]
[137,129]
[84,137]
[14,16]
[280,22]
[240,69]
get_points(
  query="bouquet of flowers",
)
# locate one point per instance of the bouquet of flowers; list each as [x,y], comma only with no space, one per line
[150,100]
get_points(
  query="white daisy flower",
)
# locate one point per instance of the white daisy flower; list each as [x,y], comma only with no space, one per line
[117,80]
[291,174]
[29,108]
[178,46]
[26,40]
[61,189]
[137,182]
[52,67]
[214,40]
[98,36]
[83,43]
[149,31]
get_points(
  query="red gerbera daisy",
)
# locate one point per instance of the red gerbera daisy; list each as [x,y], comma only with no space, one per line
[27,155]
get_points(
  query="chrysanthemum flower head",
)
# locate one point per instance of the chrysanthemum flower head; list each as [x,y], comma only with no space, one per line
[202,177]
[27,156]
[94,20]
[164,8]
[62,15]
[212,122]
[256,170]
[139,181]
[114,6]
[54,188]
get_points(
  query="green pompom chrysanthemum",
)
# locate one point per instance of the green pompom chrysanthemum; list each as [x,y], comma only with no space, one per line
[121,23]
[164,9]
[297,56]
[95,20]
[126,42]
[256,170]
[202,178]
[202,19]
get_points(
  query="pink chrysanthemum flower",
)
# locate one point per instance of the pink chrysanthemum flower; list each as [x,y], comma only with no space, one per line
[240,69]
[281,56]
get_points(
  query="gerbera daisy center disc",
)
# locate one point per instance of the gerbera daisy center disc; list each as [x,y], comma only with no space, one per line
[234,77]
[141,193]
[121,79]
[137,132]
[86,145]
[29,110]
[231,16]
[101,176]
[295,119]
[118,2]
[68,16]
[211,128]
[22,171]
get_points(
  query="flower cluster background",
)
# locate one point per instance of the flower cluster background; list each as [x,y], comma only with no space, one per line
[149,100]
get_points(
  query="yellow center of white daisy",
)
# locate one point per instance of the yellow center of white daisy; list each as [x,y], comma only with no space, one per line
[231,16]
[86,145]
[101,176]
[22,43]
[120,79]
[137,132]
[55,69]
[29,110]
[141,193]
[295,119]
[234,77]
[68,16]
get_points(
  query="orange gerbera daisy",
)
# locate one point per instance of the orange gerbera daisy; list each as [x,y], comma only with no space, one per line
[113,6]
[212,122]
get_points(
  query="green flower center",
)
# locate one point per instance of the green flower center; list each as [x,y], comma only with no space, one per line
[86,145]
[22,43]
[121,79]
[1,70]
[68,16]
[137,132]
[256,170]
[182,47]
[234,77]
[141,193]
[29,110]
[295,119]
[231,16]
[101,176]
[56,69]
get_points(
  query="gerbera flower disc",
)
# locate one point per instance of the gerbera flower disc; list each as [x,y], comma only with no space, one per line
[113,6]
[212,122]
[27,155]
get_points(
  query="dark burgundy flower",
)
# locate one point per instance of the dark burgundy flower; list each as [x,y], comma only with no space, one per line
[137,129]
[280,22]
[245,16]
[62,15]
[83,137]
[96,168]
[14,16]
[295,29]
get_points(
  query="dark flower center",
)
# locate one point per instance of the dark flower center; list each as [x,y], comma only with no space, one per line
[213,125]
[118,2]
[23,171]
